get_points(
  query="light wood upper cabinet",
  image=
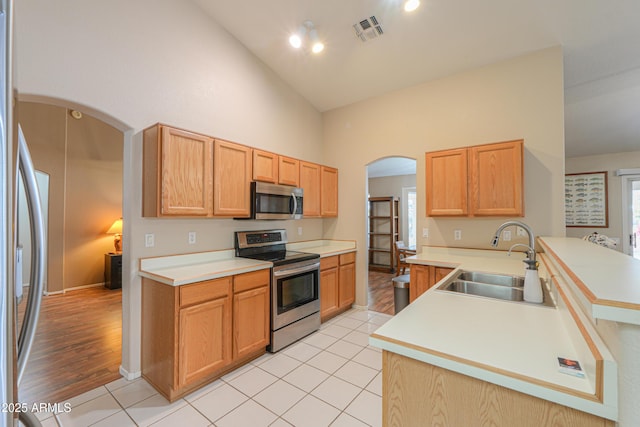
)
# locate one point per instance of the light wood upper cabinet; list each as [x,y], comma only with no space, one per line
[288,171]
[177,173]
[310,183]
[496,177]
[231,179]
[446,173]
[328,191]
[483,180]
[265,166]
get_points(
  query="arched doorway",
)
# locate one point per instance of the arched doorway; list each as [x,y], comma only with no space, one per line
[79,335]
[391,194]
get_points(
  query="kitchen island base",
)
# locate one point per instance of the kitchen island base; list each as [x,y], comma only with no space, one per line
[419,394]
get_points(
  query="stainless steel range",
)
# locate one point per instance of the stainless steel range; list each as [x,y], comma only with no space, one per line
[295,296]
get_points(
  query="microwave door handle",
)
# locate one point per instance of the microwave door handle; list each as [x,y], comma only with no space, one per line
[295,203]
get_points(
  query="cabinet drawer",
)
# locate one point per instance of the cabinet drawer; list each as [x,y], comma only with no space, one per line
[347,258]
[329,262]
[204,291]
[255,279]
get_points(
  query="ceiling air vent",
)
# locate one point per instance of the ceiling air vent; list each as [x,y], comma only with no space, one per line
[368,29]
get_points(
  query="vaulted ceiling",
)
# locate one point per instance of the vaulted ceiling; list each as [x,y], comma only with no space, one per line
[600,40]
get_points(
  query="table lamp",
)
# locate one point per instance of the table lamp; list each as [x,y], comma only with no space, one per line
[116,230]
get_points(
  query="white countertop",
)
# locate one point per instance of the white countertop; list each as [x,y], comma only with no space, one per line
[324,248]
[176,270]
[515,345]
[609,280]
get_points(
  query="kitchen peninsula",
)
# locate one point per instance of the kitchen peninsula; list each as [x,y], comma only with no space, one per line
[475,358]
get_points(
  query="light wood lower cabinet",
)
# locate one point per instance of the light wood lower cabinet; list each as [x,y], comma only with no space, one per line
[423,277]
[418,394]
[250,313]
[337,284]
[204,339]
[192,334]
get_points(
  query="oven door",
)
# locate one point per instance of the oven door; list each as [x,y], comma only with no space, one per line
[276,201]
[295,292]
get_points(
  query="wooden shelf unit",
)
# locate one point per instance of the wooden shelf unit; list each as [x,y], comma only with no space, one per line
[383,233]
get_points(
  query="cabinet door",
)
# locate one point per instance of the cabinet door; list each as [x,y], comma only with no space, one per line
[265,166]
[421,280]
[446,182]
[231,179]
[289,171]
[328,191]
[310,183]
[439,273]
[205,339]
[250,321]
[185,173]
[496,179]
[347,282]
[329,290]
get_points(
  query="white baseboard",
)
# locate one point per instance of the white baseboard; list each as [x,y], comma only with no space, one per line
[75,288]
[129,376]
[360,307]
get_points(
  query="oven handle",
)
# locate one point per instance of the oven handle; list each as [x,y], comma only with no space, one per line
[291,271]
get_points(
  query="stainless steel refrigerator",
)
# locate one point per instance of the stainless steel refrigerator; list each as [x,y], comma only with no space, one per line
[15,158]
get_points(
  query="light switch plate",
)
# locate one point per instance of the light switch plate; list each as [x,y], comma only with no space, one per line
[425,233]
[192,237]
[149,240]
[520,231]
[506,235]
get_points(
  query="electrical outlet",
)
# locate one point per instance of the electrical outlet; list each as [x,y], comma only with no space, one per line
[506,235]
[520,232]
[299,231]
[457,234]
[425,233]
[192,237]
[149,240]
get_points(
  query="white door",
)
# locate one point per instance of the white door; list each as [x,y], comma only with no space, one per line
[631,217]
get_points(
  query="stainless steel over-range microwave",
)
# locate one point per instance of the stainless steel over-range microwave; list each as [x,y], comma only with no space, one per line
[271,201]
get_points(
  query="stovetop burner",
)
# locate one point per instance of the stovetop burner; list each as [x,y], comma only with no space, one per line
[268,245]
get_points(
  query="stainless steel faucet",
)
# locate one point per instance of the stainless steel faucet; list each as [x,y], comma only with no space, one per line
[531,262]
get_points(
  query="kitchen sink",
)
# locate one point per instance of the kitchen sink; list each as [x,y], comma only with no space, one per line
[491,279]
[497,286]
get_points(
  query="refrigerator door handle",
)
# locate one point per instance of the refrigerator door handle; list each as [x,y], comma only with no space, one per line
[38,258]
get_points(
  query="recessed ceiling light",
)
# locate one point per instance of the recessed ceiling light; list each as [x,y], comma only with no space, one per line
[411,5]
[295,41]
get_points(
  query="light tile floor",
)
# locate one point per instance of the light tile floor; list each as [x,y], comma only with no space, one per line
[330,378]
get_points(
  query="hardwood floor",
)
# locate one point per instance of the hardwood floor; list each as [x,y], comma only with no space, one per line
[77,345]
[380,292]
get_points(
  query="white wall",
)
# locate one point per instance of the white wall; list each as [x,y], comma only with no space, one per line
[513,99]
[135,63]
[609,163]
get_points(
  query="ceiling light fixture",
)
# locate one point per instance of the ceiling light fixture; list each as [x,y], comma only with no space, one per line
[411,5]
[297,39]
